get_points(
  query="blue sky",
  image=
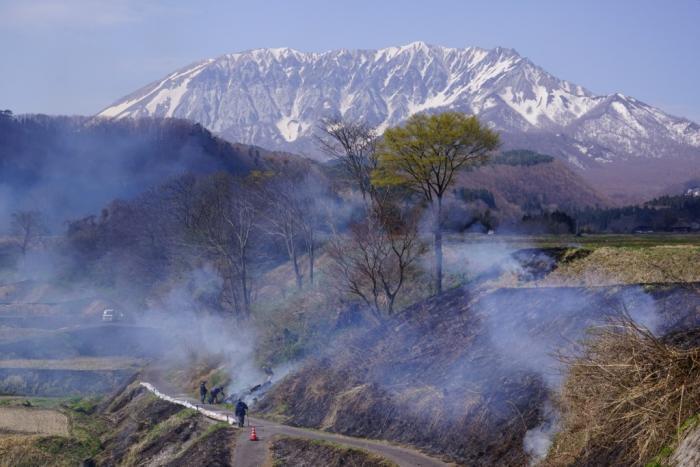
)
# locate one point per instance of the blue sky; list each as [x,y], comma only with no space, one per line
[78,56]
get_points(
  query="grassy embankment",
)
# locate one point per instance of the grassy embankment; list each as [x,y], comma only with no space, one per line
[630,398]
[132,428]
[72,436]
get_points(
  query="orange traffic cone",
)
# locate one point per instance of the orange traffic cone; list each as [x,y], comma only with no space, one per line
[253,435]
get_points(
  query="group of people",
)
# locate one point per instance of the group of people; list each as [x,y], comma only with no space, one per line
[217,392]
[214,394]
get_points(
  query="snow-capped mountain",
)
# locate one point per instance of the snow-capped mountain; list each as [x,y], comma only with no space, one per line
[275,98]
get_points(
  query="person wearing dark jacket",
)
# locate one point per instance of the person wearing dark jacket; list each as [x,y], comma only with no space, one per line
[241,410]
[203,391]
[214,394]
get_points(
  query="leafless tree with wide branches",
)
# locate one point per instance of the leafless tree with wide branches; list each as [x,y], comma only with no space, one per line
[27,226]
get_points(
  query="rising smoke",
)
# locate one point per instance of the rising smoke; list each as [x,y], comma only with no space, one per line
[520,328]
[532,328]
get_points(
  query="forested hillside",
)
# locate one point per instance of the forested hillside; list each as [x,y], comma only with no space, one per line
[72,166]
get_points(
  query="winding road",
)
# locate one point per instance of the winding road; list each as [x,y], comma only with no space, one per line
[252,454]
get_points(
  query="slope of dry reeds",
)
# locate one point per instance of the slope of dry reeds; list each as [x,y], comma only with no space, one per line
[626,396]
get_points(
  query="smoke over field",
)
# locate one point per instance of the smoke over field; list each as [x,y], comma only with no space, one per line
[241,268]
[478,360]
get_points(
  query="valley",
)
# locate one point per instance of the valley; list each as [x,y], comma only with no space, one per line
[363,234]
[477,359]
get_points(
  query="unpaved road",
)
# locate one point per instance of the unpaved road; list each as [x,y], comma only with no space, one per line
[255,453]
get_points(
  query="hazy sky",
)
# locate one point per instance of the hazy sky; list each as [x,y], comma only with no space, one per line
[78,56]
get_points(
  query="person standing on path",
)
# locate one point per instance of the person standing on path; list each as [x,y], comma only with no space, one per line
[241,410]
[203,391]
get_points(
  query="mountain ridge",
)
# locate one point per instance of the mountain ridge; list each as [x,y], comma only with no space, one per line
[275,98]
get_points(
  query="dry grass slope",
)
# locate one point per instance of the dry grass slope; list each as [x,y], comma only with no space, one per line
[630,265]
[627,396]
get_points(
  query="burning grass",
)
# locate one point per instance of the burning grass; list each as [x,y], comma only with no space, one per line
[626,396]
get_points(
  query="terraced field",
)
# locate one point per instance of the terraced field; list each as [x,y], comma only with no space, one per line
[33,421]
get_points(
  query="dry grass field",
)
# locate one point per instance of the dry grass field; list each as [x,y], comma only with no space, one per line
[81,363]
[630,265]
[33,421]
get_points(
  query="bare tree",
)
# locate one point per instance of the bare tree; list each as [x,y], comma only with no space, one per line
[289,203]
[219,219]
[309,223]
[373,260]
[353,144]
[27,226]
[307,199]
[283,217]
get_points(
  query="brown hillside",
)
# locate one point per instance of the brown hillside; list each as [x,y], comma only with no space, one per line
[457,375]
[144,430]
[551,185]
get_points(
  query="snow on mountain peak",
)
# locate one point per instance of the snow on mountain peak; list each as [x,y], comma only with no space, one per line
[275,98]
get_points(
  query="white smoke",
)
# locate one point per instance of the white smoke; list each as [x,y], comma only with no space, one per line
[529,328]
[538,440]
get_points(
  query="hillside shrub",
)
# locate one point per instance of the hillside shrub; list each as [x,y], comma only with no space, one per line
[626,396]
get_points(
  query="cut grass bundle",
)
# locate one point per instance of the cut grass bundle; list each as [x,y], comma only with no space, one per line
[626,396]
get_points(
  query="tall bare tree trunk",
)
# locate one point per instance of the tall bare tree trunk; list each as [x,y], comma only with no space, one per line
[297,272]
[231,288]
[244,285]
[25,243]
[437,233]
[311,253]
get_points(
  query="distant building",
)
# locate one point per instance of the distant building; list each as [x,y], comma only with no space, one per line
[693,192]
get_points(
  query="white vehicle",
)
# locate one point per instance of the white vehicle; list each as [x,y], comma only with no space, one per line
[110,315]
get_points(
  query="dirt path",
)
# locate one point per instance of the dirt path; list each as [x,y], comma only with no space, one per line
[252,454]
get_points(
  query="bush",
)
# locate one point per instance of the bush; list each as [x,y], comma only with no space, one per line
[470,195]
[83,405]
[626,397]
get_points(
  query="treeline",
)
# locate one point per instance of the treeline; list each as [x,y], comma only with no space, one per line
[664,214]
[240,225]
[522,157]
[229,209]
[69,166]
[243,225]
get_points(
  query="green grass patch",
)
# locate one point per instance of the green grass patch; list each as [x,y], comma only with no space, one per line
[586,241]
[82,405]
[214,427]
[67,448]
[662,458]
[184,414]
